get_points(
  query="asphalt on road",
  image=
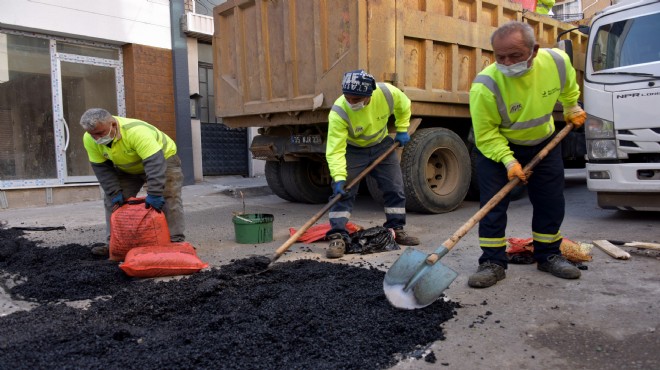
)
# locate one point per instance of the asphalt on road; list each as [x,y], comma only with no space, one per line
[605,320]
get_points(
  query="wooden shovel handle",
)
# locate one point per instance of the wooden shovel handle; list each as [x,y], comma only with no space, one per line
[460,233]
[292,239]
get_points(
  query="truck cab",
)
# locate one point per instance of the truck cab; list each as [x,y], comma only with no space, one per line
[622,100]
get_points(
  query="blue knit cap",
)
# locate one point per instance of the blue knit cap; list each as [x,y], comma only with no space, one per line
[358,83]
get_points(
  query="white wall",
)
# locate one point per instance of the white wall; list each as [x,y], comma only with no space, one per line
[145,22]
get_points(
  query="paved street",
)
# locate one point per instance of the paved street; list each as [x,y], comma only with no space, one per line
[608,319]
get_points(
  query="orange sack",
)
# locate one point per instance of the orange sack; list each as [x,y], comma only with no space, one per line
[133,225]
[162,260]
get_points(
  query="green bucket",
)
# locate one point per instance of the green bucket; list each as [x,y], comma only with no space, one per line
[253,228]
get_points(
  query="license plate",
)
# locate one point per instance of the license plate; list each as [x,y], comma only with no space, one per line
[306,139]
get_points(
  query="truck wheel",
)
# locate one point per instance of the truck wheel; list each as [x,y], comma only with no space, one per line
[274,180]
[307,181]
[374,191]
[436,171]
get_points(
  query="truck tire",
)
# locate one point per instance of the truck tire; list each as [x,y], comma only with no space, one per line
[307,181]
[274,180]
[436,171]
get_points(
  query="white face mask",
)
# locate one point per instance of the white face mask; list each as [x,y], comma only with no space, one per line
[357,106]
[105,140]
[514,70]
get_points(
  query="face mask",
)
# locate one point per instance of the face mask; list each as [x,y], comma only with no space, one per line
[105,140]
[514,70]
[357,106]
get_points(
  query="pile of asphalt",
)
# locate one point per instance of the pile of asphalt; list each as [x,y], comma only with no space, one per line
[302,314]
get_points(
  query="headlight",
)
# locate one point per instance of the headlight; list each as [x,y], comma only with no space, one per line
[601,149]
[597,128]
[601,143]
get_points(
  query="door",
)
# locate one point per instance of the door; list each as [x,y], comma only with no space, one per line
[89,77]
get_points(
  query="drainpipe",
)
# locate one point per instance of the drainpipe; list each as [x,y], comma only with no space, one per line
[181,92]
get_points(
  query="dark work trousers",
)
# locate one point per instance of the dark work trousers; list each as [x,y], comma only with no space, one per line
[388,177]
[173,208]
[546,192]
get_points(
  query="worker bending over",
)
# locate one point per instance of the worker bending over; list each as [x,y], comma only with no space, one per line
[357,135]
[126,153]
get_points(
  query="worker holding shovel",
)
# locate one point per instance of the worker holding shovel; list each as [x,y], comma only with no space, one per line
[511,104]
[357,135]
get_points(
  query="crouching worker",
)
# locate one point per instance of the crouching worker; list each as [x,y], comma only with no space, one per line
[126,153]
[357,135]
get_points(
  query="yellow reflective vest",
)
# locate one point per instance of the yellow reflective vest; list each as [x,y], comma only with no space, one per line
[363,128]
[519,110]
[544,6]
[139,140]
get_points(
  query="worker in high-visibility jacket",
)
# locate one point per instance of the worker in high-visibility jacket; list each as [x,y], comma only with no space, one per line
[126,153]
[357,135]
[544,6]
[511,104]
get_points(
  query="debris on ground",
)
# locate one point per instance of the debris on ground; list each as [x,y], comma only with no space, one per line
[521,251]
[299,314]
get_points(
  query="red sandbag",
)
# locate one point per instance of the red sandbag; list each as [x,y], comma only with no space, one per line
[133,225]
[162,260]
[317,232]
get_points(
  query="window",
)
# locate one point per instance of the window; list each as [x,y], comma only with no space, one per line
[627,42]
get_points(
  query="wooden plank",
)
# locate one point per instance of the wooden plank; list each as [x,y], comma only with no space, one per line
[645,245]
[612,249]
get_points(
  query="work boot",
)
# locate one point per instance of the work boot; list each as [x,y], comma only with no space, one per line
[402,237]
[488,274]
[337,246]
[560,267]
[100,249]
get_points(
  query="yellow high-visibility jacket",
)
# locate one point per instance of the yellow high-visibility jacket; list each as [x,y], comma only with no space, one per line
[518,110]
[544,6]
[139,140]
[363,128]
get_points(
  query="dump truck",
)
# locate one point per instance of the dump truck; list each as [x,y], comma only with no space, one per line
[278,66]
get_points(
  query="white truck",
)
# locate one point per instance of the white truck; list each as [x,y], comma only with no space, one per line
[622,100]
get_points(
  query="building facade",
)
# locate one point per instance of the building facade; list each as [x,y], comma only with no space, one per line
[61,57]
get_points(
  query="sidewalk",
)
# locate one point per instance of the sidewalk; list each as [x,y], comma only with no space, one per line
[195,197]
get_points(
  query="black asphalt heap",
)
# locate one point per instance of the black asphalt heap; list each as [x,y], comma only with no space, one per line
[297,315]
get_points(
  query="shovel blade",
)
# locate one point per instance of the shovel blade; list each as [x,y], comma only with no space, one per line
[429,281]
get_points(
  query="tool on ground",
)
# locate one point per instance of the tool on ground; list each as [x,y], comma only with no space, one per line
[354,182]
[416,279]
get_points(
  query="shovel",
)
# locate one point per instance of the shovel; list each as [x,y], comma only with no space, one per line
[292,239]
[416,279]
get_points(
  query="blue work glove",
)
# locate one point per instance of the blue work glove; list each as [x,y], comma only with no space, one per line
[154,201]
[117,201]
[402,138]
[338,188]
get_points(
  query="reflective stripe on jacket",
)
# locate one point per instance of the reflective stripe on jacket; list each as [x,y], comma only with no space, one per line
[139,140]
[519,110]
[363,128]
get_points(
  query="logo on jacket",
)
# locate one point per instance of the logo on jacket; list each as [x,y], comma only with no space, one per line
[106,156]
[550,92]
[515,107]
[359,129]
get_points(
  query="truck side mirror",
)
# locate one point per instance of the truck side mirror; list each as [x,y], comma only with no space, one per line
[567,47]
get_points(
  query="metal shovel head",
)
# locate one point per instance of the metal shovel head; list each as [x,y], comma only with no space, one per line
[428,281]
